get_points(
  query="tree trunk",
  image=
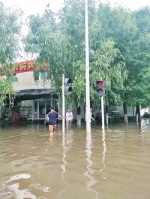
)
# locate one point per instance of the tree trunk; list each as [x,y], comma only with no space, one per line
[125,113]
[78,116]
[137,113]
[106,114]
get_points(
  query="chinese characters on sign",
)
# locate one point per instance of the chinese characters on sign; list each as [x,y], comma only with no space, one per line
[15,67]
[20,67]
[23,66]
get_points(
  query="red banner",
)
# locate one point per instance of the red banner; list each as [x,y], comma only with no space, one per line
[23,67]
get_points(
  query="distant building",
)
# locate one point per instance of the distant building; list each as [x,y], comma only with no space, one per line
[33,95]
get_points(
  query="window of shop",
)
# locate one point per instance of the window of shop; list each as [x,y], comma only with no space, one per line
[48,105]
[42,111]
[43,75]
[42,107]
[35,109]
[36,75]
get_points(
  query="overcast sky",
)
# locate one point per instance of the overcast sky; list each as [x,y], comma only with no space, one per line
[34,6]
[38,6]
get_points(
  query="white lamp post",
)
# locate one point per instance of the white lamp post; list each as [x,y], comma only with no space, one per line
[88,114]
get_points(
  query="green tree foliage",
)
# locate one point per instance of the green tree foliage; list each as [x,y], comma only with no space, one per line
[143,19]
[59,40]
[10,27]
[141,89]
[119,25]
[139,60]
[9,34]
[130,31]
[7,92]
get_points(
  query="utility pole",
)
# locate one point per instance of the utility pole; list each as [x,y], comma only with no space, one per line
[88,114]
[63,103]
[102,110]
[101,92]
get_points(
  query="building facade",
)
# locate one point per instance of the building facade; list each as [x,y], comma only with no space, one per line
[34,95]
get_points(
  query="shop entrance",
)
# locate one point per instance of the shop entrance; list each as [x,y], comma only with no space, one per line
[42,107]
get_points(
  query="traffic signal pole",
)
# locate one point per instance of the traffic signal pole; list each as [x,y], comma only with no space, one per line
[102,110]
[101,92]
[63,103]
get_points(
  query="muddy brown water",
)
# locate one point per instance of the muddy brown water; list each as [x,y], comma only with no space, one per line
[114,164]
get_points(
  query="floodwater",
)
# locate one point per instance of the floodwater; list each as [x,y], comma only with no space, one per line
[114,164]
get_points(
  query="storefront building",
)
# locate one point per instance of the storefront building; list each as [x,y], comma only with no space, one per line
[33,96]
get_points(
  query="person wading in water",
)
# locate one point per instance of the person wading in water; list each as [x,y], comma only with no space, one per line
[53,115]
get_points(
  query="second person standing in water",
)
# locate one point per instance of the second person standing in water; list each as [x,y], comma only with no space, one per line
[69,118]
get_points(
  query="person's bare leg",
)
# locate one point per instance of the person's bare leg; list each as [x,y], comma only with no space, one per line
[54,128]
[51,129]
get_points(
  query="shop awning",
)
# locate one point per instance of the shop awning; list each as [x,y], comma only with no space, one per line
[30,94]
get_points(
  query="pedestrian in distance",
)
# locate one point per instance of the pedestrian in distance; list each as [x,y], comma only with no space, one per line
[69,118]
[53,115]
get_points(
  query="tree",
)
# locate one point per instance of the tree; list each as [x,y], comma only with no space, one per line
[7,93]
[59,40]
[120,24]
[139,60]
[10,28]
[138,85]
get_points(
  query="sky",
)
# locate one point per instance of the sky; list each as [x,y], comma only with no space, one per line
[38,6]
[34,6]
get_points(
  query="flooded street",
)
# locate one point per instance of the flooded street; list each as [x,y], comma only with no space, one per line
[114,164]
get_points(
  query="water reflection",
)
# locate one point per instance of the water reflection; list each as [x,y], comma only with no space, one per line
[90,171]
[63,166]
[110,164]
[104,147]
[69,138]
[51,138]
[145,125]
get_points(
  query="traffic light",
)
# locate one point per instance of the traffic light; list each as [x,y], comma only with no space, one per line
[100,88]
[67,86]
